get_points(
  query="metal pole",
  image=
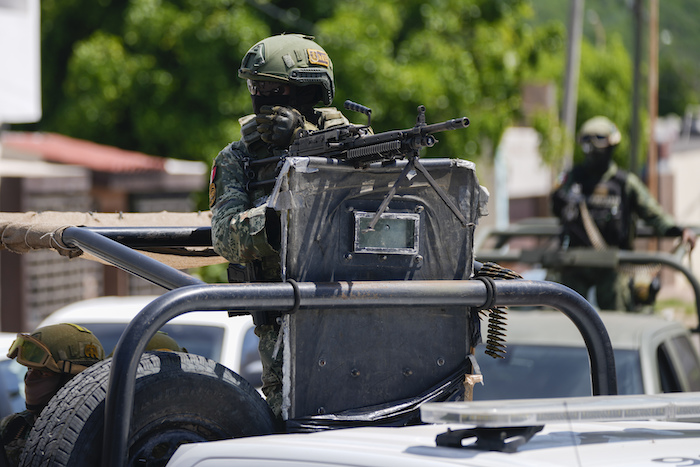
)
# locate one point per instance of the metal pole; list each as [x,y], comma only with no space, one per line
[636,83]
[653,182]
[127,259]
[573,61]
[155,237]
[250,297]
[640,257]
[583,258]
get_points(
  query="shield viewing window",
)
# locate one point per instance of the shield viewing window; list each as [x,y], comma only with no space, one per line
[394,233]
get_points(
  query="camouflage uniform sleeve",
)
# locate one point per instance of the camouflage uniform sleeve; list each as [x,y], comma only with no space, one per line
[14,430]
[238,227]
[648,209]
[227,197]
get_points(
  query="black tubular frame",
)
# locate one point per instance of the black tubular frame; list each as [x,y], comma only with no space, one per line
[190,294]
[615,257]
[127,259]
[667,259]
[136,237]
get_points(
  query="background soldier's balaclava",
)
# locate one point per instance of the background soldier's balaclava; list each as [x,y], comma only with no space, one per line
[598,138]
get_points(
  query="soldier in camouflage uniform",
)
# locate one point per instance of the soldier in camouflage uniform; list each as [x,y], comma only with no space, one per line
[53,354]
[613,199]
[287,75]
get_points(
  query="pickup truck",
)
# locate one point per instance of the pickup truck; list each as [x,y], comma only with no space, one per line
[379,307]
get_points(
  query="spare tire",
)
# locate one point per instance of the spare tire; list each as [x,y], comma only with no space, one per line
[179,398]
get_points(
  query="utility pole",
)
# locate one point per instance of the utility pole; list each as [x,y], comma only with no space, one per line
[573,60]
[653,181]
[636,84]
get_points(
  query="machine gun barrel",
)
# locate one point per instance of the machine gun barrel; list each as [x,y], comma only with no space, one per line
[397,143]
[454,124]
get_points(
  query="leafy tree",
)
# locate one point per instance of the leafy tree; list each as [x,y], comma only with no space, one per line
[161,76]
[64,23]
[678,30]
[677,85]
[166,83]
[605,88]
[458,57]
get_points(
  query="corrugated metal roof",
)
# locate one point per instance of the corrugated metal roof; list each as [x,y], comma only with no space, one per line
[53,147]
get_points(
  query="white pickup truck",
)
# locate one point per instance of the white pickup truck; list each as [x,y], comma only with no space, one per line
[602,431]
[379,309]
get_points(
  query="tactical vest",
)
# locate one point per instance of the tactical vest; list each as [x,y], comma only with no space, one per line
[608,204]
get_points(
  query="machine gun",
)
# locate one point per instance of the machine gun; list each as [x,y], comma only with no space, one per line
[357,145]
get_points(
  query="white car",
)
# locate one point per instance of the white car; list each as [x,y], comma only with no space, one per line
[588,431]
[546,357]
[213,334]
[11,378]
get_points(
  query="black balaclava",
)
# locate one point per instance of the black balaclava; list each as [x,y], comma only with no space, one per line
[597,161]
[301,98]
[38,392]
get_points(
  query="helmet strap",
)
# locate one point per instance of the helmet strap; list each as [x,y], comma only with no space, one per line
[70,368]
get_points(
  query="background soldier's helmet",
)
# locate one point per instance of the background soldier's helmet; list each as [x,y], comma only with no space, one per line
[162,341]
[290,58]
[61,348]
[598,133]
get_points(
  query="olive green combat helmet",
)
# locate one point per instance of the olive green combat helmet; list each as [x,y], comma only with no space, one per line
[162,341]
[290,58]
[61,348]
[599,133]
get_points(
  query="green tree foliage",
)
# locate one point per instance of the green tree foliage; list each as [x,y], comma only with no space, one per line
[160,76]
[458,57]
[64,23]
[678,85]
[679,68]
[165,83]
[605,88]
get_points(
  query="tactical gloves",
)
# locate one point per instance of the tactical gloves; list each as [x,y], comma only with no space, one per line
[279,125]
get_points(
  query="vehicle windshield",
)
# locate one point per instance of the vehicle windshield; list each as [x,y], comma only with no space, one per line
[538,371]
[197,339]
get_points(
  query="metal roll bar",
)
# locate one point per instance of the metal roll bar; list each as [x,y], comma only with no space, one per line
[667,259]
[596,258]
[252,297]
[136,237]
[191,294]
[127,259]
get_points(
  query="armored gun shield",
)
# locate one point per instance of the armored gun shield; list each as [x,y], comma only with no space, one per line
[349,358]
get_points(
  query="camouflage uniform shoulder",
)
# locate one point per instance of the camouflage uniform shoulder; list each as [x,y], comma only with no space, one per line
[235,149]
[647,207]
[330,117]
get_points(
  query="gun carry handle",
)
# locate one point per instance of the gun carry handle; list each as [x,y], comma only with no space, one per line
[355,107]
